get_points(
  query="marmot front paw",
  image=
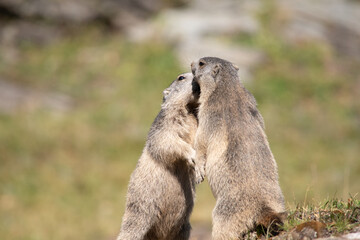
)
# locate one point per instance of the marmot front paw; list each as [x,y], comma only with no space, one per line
[191,159]
[199,174]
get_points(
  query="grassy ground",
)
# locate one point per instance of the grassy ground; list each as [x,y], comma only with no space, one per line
[64,176]
[332,217]
[339,216]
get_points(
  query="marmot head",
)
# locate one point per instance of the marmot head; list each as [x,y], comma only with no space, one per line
[180,91]
[208,71]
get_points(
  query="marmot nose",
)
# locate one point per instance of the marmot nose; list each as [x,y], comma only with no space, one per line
[193,68]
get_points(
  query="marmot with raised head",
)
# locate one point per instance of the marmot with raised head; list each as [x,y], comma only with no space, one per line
[232,147]
[161,190]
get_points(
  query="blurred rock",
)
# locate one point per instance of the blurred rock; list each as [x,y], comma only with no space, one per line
[349,236]
[42,21]
[79,11]
[197,31]
[244,58]
[355,235]
[14,97]
[336,22]
[14,33]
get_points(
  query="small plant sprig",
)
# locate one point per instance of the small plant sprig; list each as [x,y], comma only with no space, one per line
[339,216]
[334,216]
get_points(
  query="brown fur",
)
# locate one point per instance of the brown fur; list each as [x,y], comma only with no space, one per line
[232,147]
[161,191]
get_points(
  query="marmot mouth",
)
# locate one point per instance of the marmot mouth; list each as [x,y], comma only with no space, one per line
[195,88]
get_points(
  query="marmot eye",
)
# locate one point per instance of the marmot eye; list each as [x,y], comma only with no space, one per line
[181,78]
[201,63]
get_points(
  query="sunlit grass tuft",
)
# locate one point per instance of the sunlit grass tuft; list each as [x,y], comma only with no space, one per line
[339,216]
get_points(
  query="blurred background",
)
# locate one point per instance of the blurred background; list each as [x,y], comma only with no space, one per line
[81,82]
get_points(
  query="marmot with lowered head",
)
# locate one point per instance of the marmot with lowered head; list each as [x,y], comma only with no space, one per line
[161,190]
[232,147]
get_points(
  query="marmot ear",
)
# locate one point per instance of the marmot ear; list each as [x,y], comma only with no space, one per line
[215,70]
[235,66]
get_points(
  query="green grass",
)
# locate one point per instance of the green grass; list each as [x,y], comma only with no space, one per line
[309,99]
[64,176]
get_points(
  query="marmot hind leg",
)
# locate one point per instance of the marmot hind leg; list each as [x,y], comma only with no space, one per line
[231,221]
[227,230]
[271,220]
[135,227]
